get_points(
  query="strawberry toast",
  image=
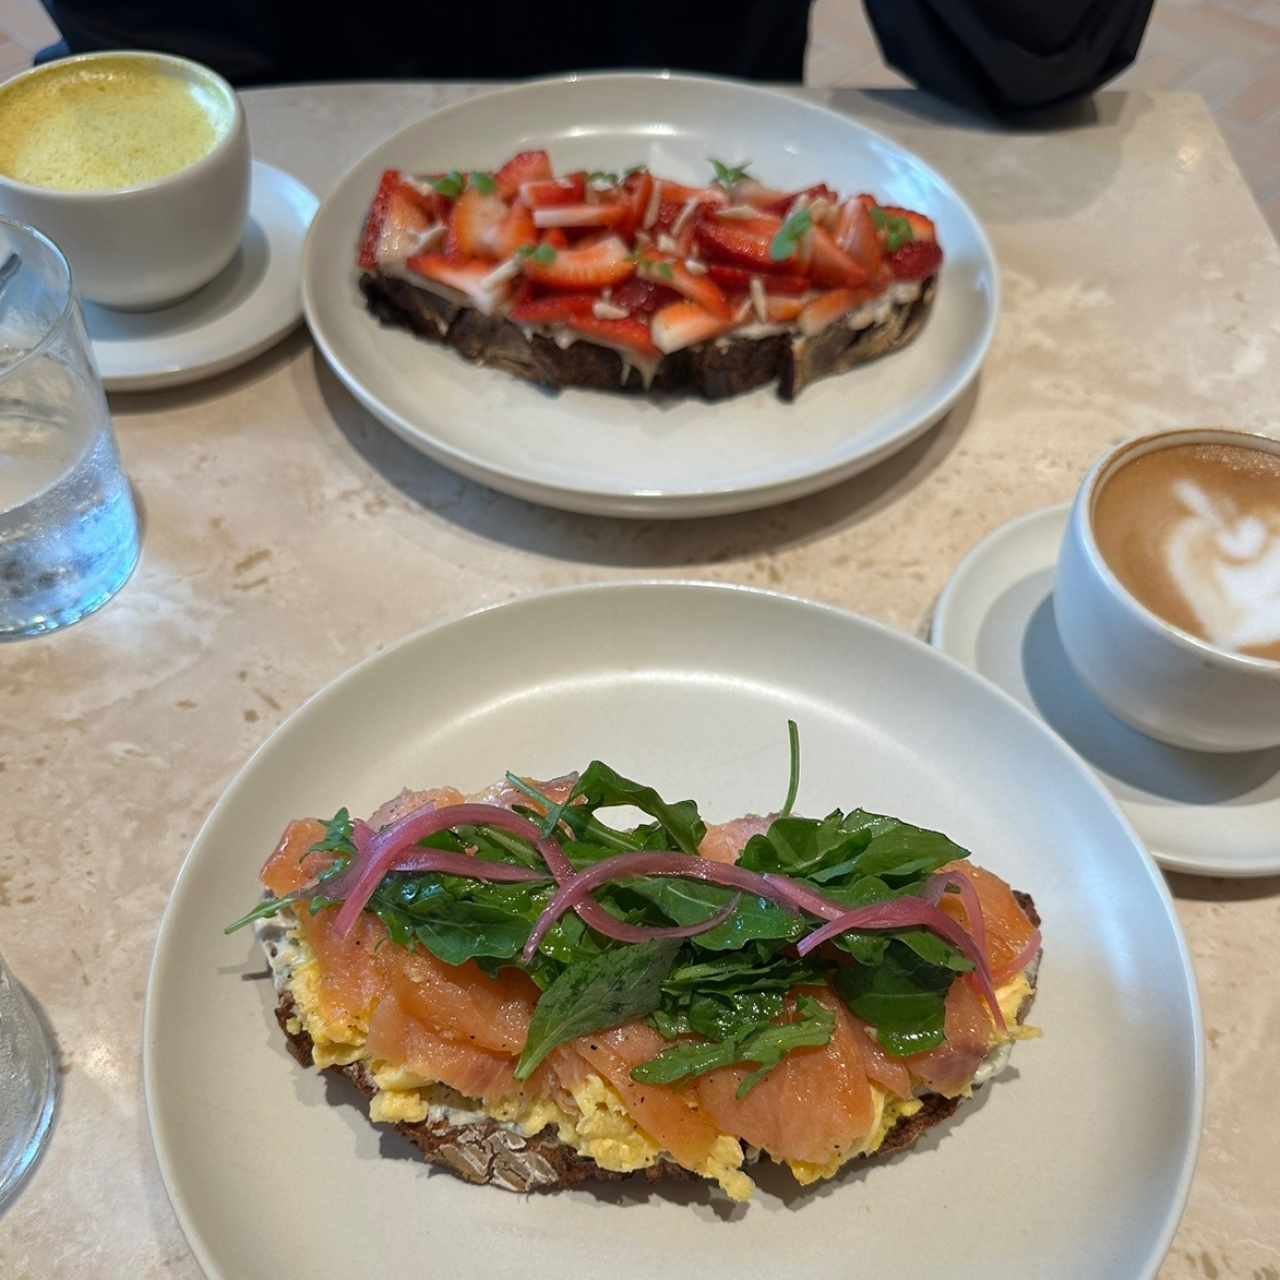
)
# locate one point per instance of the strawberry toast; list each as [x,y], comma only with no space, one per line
[536,997]
[633,282]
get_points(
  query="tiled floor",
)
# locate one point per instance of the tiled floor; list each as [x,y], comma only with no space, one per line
[1227,50]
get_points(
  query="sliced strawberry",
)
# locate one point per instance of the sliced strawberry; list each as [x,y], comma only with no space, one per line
[916,260]
[819,192]
[830,265]
[557,308]
[782,310]
[396,207]
[635,194]
[580,215]
[528,166]
[629,335]
[642,298]
[471,278]
[744,241]
[922,228]
[683,324]
[474,224]
[550,191]
[767,199]
[660,269]
[591,266]
[823,311]
[738,279]
[856,234]
[513,233]
[704,195]
[668,212]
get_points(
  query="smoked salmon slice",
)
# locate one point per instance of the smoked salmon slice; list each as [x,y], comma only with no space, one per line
[816,1106]
[672,1117]
[1008,929]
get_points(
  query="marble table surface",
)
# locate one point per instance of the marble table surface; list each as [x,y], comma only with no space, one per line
[1142,289]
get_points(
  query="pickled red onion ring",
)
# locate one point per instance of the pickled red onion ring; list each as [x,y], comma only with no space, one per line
[939,884]
[392,849]
[1024,957]
[899,914]
[906,913]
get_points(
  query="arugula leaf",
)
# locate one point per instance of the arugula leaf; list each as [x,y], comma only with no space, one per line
[729,175]
[903,997]
[543,254]
[691,902]
[603,787]
[858,843]
[787,241]
[450,186]
[337,839]
[766,1047]
[483,183]
[793,781]
[596,994]
[899,229]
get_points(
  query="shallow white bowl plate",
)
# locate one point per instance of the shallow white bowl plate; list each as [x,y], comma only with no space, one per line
[1074,1164]
[628,454]
[244,310]
[1198,811]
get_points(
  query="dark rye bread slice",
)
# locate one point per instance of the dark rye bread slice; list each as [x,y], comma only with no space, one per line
[486,1153]
[713,370]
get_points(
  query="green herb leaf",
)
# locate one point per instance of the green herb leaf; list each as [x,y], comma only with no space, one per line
[483,183]
[691,902]
[635,168]
[766,1047]
[898,230]
[729,175]
[787,241]
[793,783]
[594,995]
[903,997]
[603,787]
[603,176]
[450,186]
[543,254]
[337,837]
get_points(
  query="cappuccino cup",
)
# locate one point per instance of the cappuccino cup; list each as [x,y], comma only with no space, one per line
[1167,595]
[135,164]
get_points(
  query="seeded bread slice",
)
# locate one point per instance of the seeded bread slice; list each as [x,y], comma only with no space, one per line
[484,1151]
[714,370]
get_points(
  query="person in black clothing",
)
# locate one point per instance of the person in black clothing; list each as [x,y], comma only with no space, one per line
[1002,56]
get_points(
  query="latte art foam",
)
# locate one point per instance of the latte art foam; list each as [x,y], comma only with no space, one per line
[1228,570]
[1193,532]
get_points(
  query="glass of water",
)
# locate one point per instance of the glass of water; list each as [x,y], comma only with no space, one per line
[68,528]
[27,1084]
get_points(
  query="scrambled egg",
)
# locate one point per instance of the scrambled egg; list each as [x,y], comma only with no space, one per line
[602,1129]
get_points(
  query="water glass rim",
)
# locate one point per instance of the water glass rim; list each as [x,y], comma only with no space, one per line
[68,289]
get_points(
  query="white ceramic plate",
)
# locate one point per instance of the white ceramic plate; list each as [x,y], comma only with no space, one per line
[1198,811]
[244,310]
[633,455]
[1074,1164]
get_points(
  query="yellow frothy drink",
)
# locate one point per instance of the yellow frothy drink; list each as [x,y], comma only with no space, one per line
[108,124]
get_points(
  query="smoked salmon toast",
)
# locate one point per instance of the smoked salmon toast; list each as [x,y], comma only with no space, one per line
[633,282]
[537,997]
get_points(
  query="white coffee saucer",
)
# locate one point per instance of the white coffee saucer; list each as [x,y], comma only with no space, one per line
[1199,812]
[252,304]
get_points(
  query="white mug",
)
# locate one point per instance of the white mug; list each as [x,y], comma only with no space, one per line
[1162,680]
[148,245]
